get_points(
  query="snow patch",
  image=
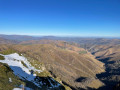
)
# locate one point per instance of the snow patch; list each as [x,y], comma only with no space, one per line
[17,89]
[26,71]
[26,88]
[14,61]
[10,80]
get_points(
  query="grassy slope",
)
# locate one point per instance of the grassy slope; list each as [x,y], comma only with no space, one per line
[44,75]
[57,59]
[2,57]
[5,74]
[64,61]
[110,55]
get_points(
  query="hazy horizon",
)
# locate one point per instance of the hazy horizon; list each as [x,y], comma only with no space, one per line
[63,36]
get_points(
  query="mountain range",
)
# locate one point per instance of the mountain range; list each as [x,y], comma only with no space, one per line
[73,62]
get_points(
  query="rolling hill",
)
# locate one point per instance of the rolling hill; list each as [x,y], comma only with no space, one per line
[78,63]
[75,66]
[110,55]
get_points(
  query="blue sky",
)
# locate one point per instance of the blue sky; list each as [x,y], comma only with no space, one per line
[60,17]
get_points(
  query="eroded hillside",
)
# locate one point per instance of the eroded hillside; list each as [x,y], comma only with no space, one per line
[75,66]
[71,65]
[110,55]
[18,71]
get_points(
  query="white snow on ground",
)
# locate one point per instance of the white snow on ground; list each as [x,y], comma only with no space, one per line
[10,80]
[14,61]
[17,89]
[26,88]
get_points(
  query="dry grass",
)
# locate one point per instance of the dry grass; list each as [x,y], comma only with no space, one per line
[66,63]
[62,60]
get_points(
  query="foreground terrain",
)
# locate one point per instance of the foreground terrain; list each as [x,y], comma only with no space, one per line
[61,63]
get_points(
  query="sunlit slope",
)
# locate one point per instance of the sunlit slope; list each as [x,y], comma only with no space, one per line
[110,55]
[66,61]
[106,50]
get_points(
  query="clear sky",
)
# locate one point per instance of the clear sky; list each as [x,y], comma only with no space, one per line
[60,17]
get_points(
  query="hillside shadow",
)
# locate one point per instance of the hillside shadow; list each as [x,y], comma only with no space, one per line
[73,88]
[37,82]
[109,84]
[80,79]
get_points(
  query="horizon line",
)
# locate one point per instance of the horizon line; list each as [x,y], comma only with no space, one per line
[77,36]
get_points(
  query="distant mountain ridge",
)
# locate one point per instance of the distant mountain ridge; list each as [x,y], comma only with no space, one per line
[18,37]
[7,41]
[80,40]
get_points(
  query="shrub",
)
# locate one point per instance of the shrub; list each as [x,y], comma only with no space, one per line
[2,57]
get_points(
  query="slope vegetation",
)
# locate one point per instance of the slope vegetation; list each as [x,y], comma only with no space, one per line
[7,79]
[74,66]
[110,55]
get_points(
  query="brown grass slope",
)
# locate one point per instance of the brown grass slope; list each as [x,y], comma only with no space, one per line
[110,55]
[66,62]
[105,51]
